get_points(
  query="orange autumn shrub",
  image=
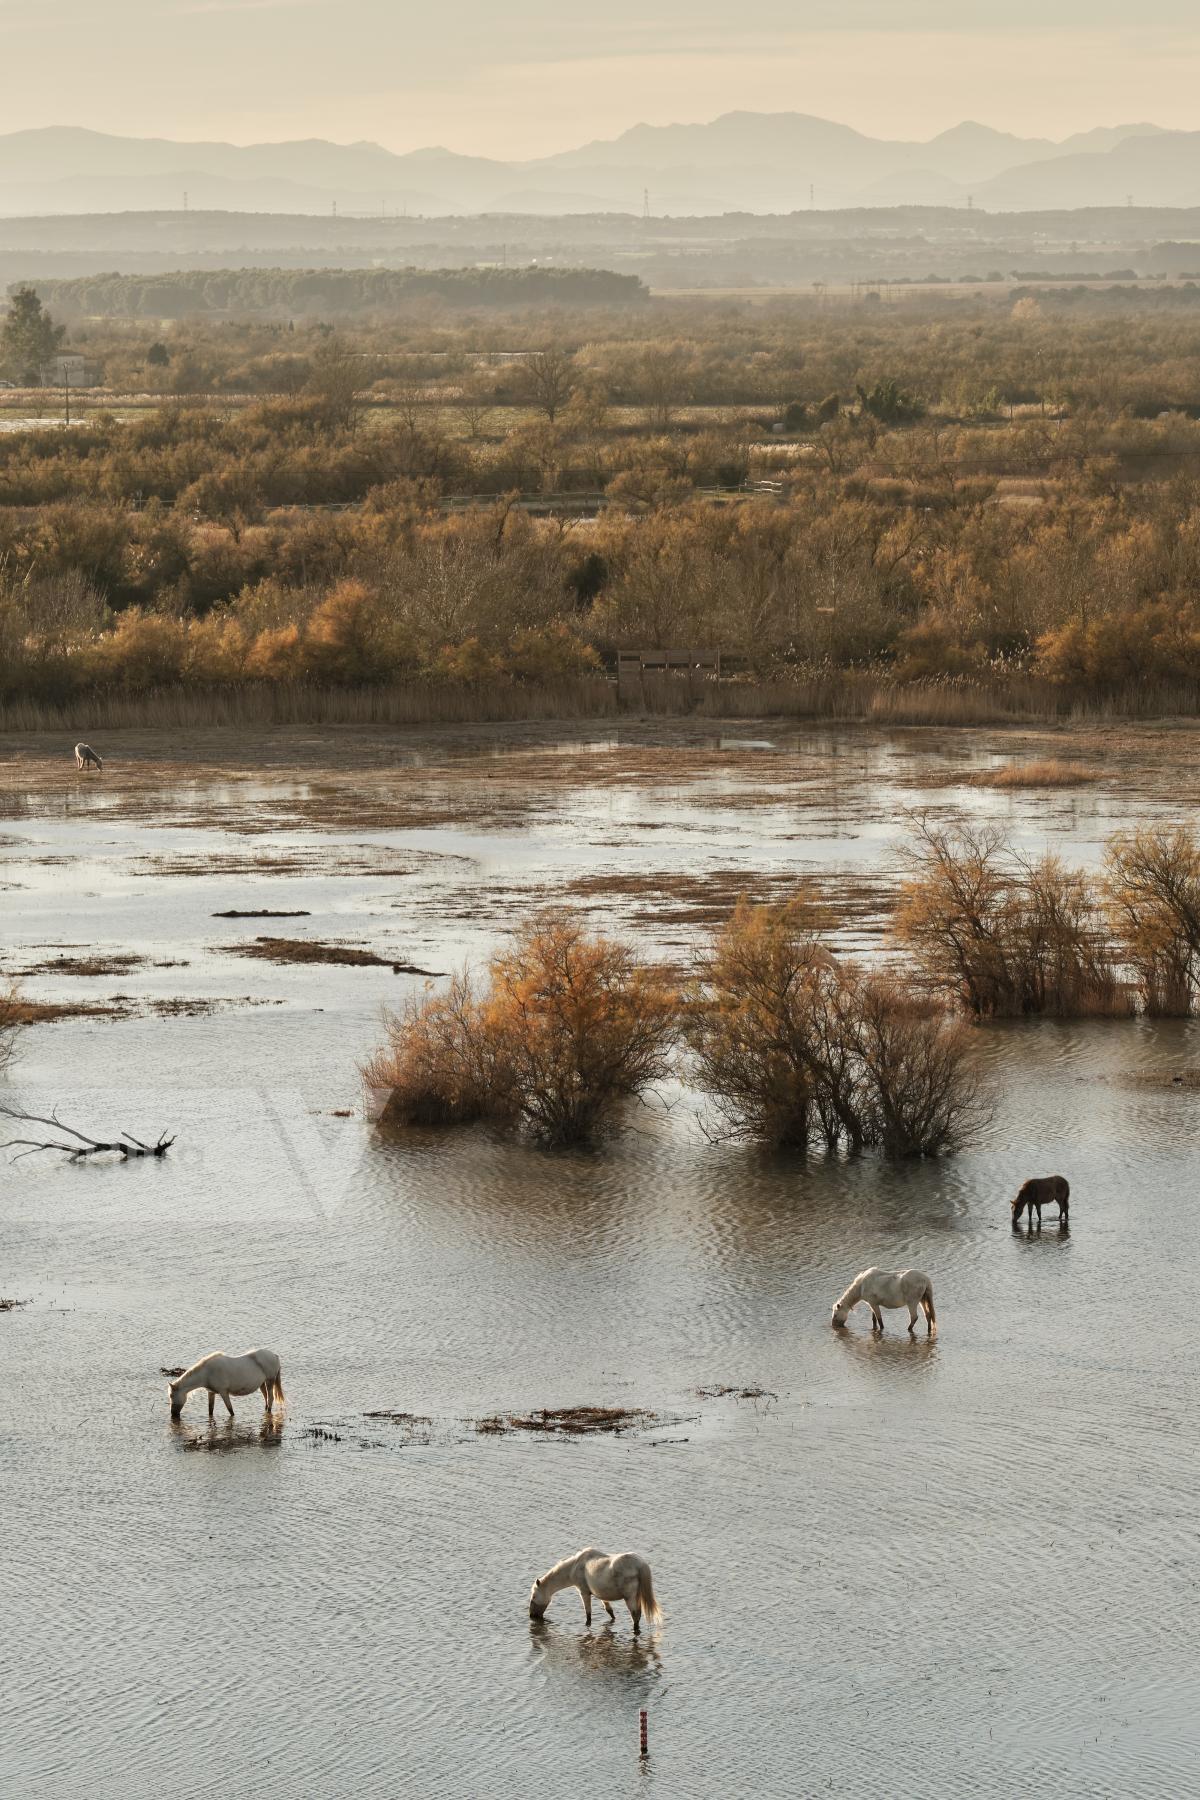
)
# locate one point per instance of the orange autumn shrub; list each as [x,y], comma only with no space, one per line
[566,1028]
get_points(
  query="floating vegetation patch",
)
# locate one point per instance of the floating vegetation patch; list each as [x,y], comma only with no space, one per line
[571,1421]
[261,912]
[723,1392]
[313,950]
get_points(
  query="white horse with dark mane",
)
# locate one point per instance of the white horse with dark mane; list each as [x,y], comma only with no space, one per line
[84,754]
[878,1288]
[256,1371]
[624,1577]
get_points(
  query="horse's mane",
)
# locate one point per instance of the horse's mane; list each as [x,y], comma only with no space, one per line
[853,1292]
[192,1367]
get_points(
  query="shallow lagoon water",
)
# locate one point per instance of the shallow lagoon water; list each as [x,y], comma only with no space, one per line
[965,1562]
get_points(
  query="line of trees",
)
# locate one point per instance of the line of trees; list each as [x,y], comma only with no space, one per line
[1089,595]
[331,293]
[1063,544]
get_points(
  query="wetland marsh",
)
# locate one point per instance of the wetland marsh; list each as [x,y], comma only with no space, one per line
[970,1555]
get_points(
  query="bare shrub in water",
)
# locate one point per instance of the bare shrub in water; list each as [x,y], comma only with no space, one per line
[799,1049]
[767,1030]
[921,1085]
[1061,951]
[567,1027]
[14,1015]
[1152,891]
[953,914]
[438,1066]
[1007,936]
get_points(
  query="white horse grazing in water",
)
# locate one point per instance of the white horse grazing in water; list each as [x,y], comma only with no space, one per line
[625,1577]
[220,1374]
[887,1287]
[84,754]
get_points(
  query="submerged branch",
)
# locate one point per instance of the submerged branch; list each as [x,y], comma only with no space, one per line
[125,1145]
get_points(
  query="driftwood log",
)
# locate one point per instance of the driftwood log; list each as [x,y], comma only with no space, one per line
[125,1145]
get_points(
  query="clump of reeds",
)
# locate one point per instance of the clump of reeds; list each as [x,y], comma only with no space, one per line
[568,1421]
[1049,772]
[311,950]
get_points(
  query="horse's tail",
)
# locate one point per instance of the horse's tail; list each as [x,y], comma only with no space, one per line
[277,1385]
[928,1303]
[646,1599]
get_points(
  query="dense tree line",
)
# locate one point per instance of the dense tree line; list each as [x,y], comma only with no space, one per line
[330,293]
[934,498]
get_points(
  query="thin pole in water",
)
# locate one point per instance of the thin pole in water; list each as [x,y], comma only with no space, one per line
[643,1734]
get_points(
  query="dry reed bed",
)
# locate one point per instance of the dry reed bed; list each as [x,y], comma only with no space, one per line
[1051,772]
[838,695]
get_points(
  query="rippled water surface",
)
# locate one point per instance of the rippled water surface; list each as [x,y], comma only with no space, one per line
[958,1565]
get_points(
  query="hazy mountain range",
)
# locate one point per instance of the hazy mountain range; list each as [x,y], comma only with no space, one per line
[751,162]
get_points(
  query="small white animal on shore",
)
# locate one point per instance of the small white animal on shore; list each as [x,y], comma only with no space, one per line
[84,754]
[257,1370]
[887,1287]
[624,1577]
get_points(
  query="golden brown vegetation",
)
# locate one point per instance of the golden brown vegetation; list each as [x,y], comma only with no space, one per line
[330,549]
[566,1029]
[1005,935]
[1008,935]
[797,1048]
[1152,892]
[1050,772]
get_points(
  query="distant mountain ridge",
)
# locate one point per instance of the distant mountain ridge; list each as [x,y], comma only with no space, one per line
[742,161]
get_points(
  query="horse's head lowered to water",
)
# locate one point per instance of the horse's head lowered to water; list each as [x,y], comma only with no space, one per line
[844,1305]
[538,1600]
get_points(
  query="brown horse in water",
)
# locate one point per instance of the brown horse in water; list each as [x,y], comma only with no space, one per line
[1033,1195]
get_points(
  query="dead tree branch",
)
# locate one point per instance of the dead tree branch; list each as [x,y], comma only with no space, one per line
[125,1145]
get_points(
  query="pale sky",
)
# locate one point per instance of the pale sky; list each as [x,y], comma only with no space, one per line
[517,78]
